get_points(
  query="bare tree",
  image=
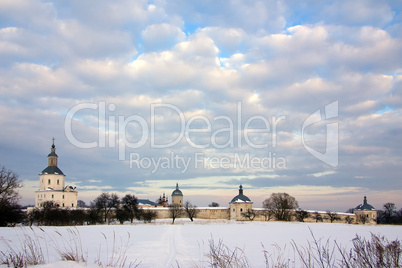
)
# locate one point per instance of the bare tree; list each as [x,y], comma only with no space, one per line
[81,204]
[9,183]
[389,212]
[267,214]
[399,216]
[191,210]
[105,202]
[301,215]
[281,205]
[148,215]
[175,211]
[363,218]
[213,204]
[10,210]
[318,217]
[333,216]
[349,219]
[130,205]
[249,214]
[350,210]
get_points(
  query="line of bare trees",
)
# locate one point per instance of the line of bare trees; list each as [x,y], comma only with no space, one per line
[284,207]
[389,214]
[104,209]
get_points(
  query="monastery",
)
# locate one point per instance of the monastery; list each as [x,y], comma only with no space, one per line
[241,203]
[52,188]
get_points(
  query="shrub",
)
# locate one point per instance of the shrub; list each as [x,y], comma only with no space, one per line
[94,216]
[349,220]
[249,214]
[122,215]
[301,215]
[148,215]
[333,216]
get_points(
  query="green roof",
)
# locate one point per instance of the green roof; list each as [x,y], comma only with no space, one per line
[365,205]
[240,197]
[177,192]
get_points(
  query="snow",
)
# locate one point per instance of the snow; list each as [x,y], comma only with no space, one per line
[184,244]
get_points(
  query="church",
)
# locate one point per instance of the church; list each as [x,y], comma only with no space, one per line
[52,185]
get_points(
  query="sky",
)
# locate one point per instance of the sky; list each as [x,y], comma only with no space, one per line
[278,96]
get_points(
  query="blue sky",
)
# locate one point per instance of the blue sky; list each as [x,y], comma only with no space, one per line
[280,96]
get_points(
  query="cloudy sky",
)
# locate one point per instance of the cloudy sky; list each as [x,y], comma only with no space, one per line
[279,96]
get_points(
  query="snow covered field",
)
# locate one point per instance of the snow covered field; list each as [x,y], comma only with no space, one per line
[184,244]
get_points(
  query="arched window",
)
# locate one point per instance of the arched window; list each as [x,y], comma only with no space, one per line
[241,210]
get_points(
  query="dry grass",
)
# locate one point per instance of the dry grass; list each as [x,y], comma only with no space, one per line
[222,256]
[118,255]
[71,248]
[68,247]
[374,252]
[30,254]
[377,252]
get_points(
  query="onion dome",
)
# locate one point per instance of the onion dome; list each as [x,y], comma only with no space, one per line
[240,197]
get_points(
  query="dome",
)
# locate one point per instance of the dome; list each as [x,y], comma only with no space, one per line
[240,197]
[365,206]
[177,192]
[52,170]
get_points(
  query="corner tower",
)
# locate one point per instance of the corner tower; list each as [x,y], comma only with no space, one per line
[177,197]
[366,213]
[239,204]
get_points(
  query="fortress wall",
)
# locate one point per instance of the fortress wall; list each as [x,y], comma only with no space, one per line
[223,213]
[213,213]
[203,213]
[162,212]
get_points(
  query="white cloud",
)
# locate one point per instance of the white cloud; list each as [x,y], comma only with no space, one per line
[359,12]
[157,37]
[274,58]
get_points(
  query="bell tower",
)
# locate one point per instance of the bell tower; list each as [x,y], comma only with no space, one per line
[52,157]
[52,184]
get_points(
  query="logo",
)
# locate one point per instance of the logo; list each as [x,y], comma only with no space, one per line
[330,156]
